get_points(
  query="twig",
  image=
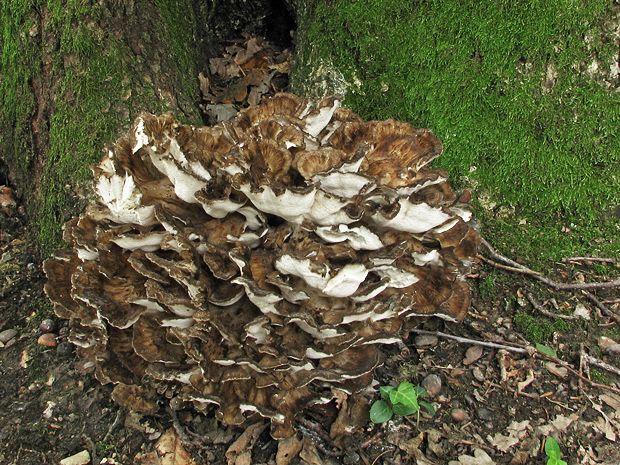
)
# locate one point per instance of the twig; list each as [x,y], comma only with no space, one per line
[544,311]
[505,267]
[589,259]
[596,407]
[522,350]
[91,447]
[372,440]
[117,422]
[380,455]
[557,286]
[599,363]
[465,340]
[601,306]
[582,359]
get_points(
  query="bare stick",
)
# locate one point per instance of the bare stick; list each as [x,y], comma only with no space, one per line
[521,350]
[601,306]
[115,425]
[465,340]
[505,267]
[544,311]
[604,365]
[91,447]
[589,259]
[547,281]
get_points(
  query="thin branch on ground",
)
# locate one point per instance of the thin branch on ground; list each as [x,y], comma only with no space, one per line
[115,425]
[522,350]
[555,285]
[604,365]
[465,340]
[601,306]
[505,267]
[595,406]
[381,455]
[546,312]
[589,259]
[91,448]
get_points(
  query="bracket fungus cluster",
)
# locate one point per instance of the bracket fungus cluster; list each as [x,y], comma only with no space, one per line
[260,264]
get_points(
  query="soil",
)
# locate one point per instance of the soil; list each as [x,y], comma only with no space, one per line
[493,404]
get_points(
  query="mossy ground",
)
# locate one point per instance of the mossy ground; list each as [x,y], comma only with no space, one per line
[522,94]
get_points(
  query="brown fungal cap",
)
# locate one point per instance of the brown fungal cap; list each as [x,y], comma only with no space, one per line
[260,264]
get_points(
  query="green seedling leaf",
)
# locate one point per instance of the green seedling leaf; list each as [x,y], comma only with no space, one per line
[428,407]
[385,392]
[380,412]
[404,410]
[546,350]
[405,394]
[420,391]
[552,449]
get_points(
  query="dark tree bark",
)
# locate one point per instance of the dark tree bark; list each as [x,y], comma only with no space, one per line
[73,77]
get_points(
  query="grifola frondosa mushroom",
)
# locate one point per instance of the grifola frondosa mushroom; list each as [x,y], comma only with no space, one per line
[260,264]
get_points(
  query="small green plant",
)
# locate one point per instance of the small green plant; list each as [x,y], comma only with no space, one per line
[546,350]
[552,449]
[401,401]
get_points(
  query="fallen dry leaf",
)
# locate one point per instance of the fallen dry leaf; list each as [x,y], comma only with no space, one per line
[435,442]
[611,400]
[606,427]
[288,449]
[309,453]
[581,311]
[412,446]
[557,370]
[516,431]
[240,451]
[168,451]
[472,354]
[561,422]
[480,457]
[523,384]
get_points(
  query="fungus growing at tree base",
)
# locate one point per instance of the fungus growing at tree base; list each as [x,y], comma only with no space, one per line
[259,265]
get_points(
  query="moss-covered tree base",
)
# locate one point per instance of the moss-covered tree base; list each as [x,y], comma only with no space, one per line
[74,74]
[523,95]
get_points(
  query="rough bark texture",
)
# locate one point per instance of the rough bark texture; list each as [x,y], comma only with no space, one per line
[313,74]
[72,76]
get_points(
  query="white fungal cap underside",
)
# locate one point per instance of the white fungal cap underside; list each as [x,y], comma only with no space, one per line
[260,264]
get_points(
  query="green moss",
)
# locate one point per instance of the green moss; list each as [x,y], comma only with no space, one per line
[487,287]
[180,29]
[538,331]
[97,86]
[475,73]
[18,65]
[598,376]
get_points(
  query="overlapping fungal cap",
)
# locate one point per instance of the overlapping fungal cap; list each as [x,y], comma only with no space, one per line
[260,264]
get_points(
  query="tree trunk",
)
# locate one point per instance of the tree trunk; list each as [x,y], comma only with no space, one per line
[73,75]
